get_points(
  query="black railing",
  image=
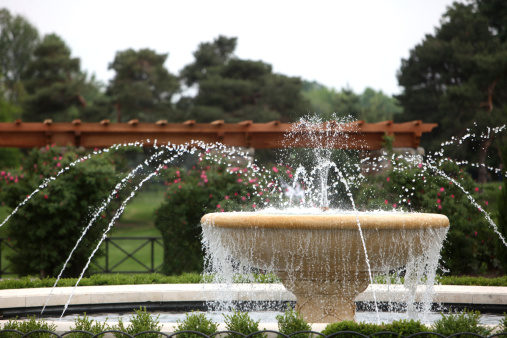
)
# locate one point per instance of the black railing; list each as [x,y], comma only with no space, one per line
[111,267]
[187,333]
[108,264]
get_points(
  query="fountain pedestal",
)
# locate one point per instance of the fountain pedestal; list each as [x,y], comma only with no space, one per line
[326,301]
[326,259]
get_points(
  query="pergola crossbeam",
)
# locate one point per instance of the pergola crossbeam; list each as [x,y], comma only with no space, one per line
[356,135]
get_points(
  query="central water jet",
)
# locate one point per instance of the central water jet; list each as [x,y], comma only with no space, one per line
[320,256]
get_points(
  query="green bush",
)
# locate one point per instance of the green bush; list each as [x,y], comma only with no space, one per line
[292,321]
[349,325]
[502,326]
[195,321]
[32,324]
[45,229]
[469,246]
[242,322]
[400,327]
[141,321]
[466,321]
[207,187]
[89,325]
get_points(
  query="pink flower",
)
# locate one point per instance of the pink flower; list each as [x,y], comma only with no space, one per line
[240,180]
[395,205]
[386,201]
[254,206]
[388,179]
[210,195]
[442,189]
[2,173]
[420,165]
[226,197]
[46,197]
[275,169]
[218,206]
[243,198]
[440,207]
[475,233]
[487,203]
[476,188]
[179,186]
[439,200]
[452,196]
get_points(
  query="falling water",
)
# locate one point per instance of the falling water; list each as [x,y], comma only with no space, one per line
[311,188]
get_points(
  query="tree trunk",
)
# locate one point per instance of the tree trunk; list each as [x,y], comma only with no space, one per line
[483,153]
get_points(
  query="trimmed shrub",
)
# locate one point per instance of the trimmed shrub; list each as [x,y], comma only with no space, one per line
[466,321]
[195,321]
[140,321]
[292,321]
[242,322]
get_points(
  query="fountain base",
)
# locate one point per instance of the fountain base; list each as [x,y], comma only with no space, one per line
[326,301]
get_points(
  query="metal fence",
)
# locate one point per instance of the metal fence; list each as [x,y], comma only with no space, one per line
[262,333]
[143,253]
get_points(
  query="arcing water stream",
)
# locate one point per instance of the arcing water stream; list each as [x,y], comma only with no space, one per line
[320,177]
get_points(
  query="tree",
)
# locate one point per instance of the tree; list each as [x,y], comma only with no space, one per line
[18,39]
[53,82]
[9,157]
[142,87]
[370,106]
[234,90]
[45,229]
[458,78]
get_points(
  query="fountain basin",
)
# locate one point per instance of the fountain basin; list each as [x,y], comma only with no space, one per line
[323,258]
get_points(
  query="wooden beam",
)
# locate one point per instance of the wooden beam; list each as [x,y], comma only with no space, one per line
[355,135]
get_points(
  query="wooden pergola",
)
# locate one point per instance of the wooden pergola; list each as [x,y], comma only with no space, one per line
[356,135]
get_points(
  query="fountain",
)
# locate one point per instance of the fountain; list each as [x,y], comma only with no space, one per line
[320,257]
[325,257]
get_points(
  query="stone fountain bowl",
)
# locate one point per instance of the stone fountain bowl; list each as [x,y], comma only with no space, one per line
[321,258]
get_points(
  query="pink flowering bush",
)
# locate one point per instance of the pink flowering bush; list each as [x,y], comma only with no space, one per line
[469,247]
[206,187]
[45,229]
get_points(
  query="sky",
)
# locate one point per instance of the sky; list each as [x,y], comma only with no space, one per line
[340,43]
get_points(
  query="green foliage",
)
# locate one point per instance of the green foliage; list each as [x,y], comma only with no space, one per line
[195,321]
[502,326]
[124,279]
[469,245]
[18,39]
[234,90]
[53,82]
[242,322]
[46,227]
[142,88]
[466,321]
[350,325]
[401,327]
[89,325]
[500,248]
[139,322]
[292,321]
[29,325]
[457,78]
[370,106]
[205,188]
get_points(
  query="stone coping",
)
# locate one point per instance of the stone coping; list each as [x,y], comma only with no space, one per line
[328,221]
[37,297]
